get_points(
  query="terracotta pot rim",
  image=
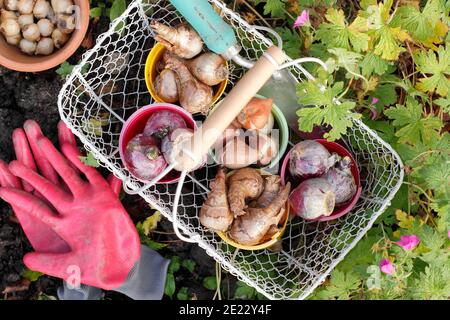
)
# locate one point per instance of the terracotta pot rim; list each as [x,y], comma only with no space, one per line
[42,63]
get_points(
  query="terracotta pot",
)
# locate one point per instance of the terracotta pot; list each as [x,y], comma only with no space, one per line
[12,58]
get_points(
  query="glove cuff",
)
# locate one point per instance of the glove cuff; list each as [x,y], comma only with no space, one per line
[84,292]
[147,279]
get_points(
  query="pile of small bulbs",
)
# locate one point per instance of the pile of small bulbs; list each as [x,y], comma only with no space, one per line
[37,27]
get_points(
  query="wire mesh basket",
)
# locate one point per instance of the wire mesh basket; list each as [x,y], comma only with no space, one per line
[108,86]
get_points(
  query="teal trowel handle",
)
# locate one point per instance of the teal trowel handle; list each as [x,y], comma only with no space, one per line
[218,36]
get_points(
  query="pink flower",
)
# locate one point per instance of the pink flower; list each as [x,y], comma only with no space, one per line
[448,233]
[375,100]
[408,242]
[386,266]
[302,19]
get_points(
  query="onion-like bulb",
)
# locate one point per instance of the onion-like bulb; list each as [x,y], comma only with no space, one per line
[28,47]
[26,6]
[66,23]
[14,40]
[45,46]
[61,6]
[45,27]
[209,68]
[166,86]
[31,32]
[5,15]
[11,4]
[59,38]
[10,28]
[25,19]
[41,9]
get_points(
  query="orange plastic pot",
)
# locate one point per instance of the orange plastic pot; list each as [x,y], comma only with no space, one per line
[12,58]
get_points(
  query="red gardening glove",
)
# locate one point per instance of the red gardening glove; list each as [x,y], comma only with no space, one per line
[42,238]
[90,219]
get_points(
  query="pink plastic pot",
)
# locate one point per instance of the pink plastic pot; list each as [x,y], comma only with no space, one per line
[342,209]
[136,124]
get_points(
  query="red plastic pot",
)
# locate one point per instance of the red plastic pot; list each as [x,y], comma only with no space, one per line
[341,209]
[136,124]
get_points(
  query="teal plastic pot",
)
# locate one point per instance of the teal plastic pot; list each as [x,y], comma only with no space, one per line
[279,123]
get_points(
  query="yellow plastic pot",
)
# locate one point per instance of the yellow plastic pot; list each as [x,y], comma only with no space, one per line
[267,242]
[151,73]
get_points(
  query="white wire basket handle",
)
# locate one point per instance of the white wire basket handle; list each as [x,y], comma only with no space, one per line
[108,86]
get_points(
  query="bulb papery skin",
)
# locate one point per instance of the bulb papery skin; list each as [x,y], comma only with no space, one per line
[45,27]
[342,180]
[14,40]
[166,86]
[310,159]
[61,6]
[209,68]
[59,38]
[66,23]
[28,47]
[25,6]
[31,32]
[45,46]
[11,4]
[25,19]
[10,28]
[313,198]
[5,15]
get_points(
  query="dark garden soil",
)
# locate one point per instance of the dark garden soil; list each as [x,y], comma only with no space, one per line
[34,96]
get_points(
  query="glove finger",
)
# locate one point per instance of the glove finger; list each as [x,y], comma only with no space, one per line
[59,265]
[91,173]
[115,184]
[7,179]
[65,136]
[62,166]
[51,192]
[34,133]
[23,153]
[24,201]
[40,235]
